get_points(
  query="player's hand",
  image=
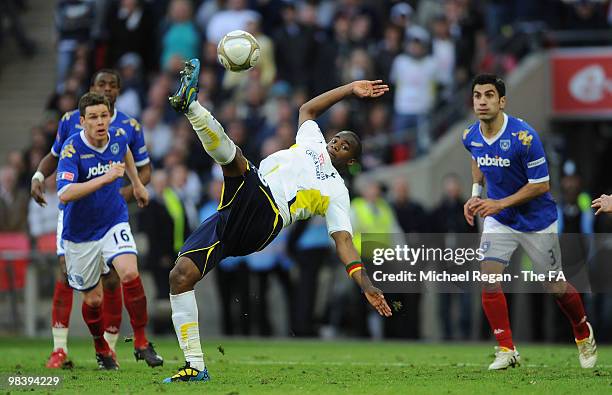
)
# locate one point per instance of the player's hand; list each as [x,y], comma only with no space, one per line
[37,190]
[117,170]
[141,195]
[487,207]
[603,204]
[365,88]
[377,300]
[468,211]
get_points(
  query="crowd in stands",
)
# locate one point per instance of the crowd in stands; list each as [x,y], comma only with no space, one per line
[426,49]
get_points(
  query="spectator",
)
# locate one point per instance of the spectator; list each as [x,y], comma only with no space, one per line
[9,9]
[447,217]
[180,40]
[443,52]
[293,44]
[73,21]
[163,223]
[43,220]
[13,202]
[131,29]
[129,100]
[158,134]
[236,16]
[413,73]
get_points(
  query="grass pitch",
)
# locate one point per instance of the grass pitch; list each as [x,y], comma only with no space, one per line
[317,367]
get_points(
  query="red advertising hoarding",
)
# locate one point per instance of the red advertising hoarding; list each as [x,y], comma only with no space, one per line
[581,82]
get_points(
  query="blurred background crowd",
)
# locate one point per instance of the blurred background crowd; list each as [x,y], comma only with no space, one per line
[427,50]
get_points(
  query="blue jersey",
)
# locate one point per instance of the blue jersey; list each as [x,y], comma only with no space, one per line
[510,160]
[90,217]
[70,124]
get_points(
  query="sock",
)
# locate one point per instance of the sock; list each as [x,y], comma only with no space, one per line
[185,320]
[216,143]
[496,310]
[112,315]
[136,305]
[94,321]
[571,305]
[60,315]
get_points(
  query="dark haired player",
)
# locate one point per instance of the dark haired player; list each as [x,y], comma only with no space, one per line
[106,82]
[508,154]
[256,204]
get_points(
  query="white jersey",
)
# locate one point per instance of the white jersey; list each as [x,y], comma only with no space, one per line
[304,182]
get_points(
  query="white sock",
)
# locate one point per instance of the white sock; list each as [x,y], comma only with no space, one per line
[216,143]
[185,320]
[60,339]
[111,339]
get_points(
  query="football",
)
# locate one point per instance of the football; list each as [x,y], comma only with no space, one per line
[238,51]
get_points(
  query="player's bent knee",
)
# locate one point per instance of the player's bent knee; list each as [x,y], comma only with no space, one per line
[92,298]
[111,281]
[129,275]
[184,275]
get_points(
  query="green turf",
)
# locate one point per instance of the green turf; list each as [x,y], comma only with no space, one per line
[319,367]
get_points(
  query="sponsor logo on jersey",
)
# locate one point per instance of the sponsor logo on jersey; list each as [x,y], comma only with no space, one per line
[65,175]
[475,144]
[493,161]
[504,144]
[318,161]
[115,148]
[524,137]
[87,156]
[536,162]
[99,169]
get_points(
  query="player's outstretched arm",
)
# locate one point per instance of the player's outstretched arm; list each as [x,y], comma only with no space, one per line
[350,258]
[603,204]
[79,190]
[362,89]
[140,192]
[46,167]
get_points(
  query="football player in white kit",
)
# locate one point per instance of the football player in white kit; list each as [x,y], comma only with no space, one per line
[255,205]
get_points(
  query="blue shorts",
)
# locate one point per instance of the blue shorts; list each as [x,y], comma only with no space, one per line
[246,221]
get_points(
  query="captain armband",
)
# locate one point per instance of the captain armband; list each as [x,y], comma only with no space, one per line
[353,268]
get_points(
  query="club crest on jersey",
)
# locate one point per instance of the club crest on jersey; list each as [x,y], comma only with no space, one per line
[504,144]
[524,137]
[115,148]
[68,151]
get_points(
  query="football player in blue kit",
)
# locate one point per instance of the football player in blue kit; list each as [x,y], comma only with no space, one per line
[96,232]
[507,153]
[105,82]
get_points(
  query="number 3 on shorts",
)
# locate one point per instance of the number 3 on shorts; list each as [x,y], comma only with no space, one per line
[123,234]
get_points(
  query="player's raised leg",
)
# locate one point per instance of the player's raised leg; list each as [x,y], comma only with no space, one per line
[210,132]
[112,307]
[496,309]
[136,305]
[183,278]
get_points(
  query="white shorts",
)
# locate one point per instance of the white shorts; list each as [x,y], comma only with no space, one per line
[499,241]
[59,243]
[87,261]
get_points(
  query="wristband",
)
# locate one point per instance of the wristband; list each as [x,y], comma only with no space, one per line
[476,189]
[353,268]
[38,176]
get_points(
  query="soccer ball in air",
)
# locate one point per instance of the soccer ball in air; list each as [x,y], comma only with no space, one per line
[238,51]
